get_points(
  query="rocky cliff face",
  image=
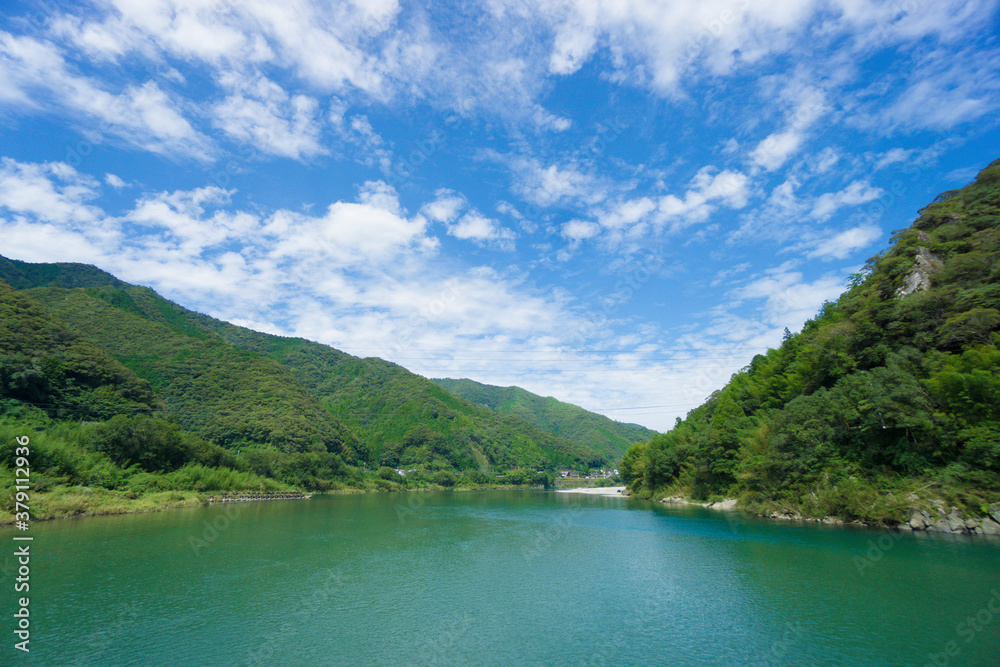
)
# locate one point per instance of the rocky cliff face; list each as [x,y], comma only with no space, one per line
[925,265]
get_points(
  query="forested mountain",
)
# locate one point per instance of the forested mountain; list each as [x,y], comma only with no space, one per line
[606,436]
[889,397]
[110,366]
[46,364]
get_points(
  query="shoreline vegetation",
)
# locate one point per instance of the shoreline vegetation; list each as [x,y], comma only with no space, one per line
[83,501]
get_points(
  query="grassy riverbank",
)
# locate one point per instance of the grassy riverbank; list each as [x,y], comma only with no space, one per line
[77,501]
[141,464]
[66,502]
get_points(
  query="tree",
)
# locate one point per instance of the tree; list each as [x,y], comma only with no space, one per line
[153,444]
[444,478]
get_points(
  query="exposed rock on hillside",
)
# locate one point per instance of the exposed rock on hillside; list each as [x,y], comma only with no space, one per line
[925,265]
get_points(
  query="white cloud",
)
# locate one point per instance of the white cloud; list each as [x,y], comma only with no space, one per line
[843,244]
[33,241]
[789,299]
[891,157]
[627,213]
[34,73]
[322,43]
[660,41]
[53,192]
[943,91]
[374,151]
[706,189]
[473,226]
[579,230]
[373,231]
[808,104]
[261,113]
[114,181]
[181,214]
[773,151]
[786,216]
[856,193]
[554,184]
[725,274]
[446,207]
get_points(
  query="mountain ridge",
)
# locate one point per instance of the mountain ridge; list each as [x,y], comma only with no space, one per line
[610,437]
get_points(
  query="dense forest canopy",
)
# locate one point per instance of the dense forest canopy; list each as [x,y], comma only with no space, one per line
[889,395]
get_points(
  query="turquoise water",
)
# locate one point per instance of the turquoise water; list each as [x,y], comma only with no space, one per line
[498,578]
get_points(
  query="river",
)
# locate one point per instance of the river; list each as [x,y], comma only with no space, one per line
[499,578]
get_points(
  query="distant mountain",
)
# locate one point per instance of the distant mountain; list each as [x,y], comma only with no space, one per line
[243,389]
[604,435]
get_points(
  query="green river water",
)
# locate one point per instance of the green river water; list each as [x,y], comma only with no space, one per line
[497,578]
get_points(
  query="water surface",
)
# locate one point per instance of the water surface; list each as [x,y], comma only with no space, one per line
[498,578]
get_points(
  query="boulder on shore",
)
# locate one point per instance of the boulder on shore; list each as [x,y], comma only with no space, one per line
[990,527]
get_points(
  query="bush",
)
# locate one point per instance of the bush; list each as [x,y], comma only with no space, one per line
[444,478]
[387,473]
[152,444]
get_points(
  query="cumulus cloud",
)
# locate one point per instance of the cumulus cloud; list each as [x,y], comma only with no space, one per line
[790,300]
[372,231]
[858,192]
[474,226]
[706,189]
[840,245]
[259,112]
[446,207]
[551,185]
[626,213]
[579,230]
[51,192]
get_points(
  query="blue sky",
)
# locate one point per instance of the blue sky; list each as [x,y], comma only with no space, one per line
[614,203]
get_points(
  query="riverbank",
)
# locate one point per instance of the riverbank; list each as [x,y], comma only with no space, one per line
[81,501]
[608,491]
[84,501]
[938,519]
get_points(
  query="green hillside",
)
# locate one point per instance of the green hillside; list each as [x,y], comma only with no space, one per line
[44,363]
[132,402]
[393,410]
[241,389]
[604,435]
[888,399]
